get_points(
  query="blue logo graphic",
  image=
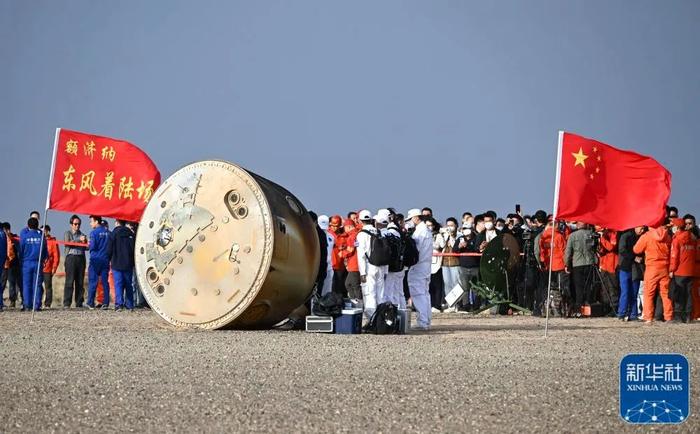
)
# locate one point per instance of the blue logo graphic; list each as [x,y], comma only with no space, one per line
[654,388]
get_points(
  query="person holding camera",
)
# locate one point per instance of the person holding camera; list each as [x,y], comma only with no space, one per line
[450,264]
[468,265]
[580,258]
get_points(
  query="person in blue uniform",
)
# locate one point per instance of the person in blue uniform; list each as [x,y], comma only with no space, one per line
[99,261]
[33,253]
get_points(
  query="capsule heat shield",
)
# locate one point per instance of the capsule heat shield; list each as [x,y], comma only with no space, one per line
[219,246]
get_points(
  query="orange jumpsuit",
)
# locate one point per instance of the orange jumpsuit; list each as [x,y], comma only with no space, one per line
[656,246]
[696,283]
[559,248]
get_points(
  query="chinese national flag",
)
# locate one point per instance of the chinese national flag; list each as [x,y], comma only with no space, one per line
[101,176]
[605,186]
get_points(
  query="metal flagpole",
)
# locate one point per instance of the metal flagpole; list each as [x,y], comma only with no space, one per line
[554,219]
[39,268]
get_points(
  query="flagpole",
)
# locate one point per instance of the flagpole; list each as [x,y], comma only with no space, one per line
[39,268]
[555,205]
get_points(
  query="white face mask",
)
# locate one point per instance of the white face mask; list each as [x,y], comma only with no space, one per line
[488,225]
[466,232]
[409,225]
[499,228]
[468,225]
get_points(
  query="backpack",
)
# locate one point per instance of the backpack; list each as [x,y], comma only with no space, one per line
[385,320]
[410,251]
[380,249]
[396,244]
[330,304]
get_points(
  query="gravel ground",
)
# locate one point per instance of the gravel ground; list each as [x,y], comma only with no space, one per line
[84,371]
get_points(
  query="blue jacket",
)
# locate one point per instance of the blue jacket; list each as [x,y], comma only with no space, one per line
[99,238]
[29,243]
[121,248]
[3,248]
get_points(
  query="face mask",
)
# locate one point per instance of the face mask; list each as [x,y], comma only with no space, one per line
[466,232]
[468,225]
[488,225]
[499,228]
[572,226]
[451,229]
[409,225]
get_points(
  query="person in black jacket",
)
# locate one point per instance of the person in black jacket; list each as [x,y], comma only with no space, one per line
[468,265]
[120,248]
[630,274]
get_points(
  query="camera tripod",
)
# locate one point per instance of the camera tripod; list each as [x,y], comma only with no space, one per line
[593,280]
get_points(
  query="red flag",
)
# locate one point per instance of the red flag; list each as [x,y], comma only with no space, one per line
[102,176]
[605,186]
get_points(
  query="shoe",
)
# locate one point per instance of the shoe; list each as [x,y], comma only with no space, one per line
[116,308]
[87,306]
[66,307]
[24,309]
[105,307]
[435,310]
[423,328]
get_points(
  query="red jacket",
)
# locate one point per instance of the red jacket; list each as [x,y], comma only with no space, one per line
[51,264]
[656,247]
[608,252]
[559,249]
[683,254]
[349,254]
[338,247]
[697,258]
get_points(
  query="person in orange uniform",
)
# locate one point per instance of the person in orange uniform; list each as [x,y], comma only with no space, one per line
[50,266]
[560,278]
[691,227]
[682,270]
[335,228]
[349,258]
[656,246]
[607,254]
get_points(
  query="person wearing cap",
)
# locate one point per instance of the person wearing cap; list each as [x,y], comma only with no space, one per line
[419,275]
[335,229]
[682,269]
[393,285]
[371,277]
[324,223]
[381,221]
[348,256]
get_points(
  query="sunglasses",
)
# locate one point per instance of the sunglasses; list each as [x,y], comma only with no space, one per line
[76,224]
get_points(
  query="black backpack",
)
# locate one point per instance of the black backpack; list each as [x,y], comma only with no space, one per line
[385,320]
[380,249]
[410,251]
[330,304]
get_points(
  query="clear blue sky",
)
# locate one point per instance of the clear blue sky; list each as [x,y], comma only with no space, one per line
[451,104]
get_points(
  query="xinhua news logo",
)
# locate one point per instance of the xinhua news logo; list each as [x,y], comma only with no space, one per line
[654,388]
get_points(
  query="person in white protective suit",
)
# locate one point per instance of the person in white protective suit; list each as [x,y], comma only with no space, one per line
[419,274]
[323,222]
[371,276]
[393,284]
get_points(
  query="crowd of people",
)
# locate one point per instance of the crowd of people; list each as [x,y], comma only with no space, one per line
[572,269]
[31,261]
[568,268]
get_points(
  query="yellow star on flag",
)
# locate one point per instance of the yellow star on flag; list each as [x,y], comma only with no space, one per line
[580,158]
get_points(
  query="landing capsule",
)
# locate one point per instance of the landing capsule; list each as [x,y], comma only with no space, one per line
[221,247]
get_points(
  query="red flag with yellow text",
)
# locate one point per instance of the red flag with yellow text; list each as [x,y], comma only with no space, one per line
[101,176]
[606,186]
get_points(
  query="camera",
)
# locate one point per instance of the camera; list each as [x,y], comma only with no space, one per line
[593,240]
[527,235]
